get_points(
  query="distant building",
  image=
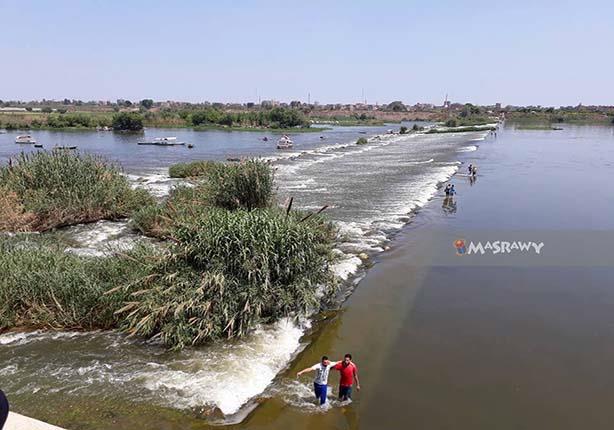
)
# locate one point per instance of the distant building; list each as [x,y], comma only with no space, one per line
[269,103]
[12,109]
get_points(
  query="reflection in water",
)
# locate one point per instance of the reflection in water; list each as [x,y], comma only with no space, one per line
[449,205]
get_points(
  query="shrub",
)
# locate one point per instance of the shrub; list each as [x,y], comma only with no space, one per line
[127,121]
[229,270]
[70,120]
[451,122]
[403,130]
[362,141]
[61,188]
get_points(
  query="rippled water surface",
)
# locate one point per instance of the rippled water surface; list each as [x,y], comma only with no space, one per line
[370,190]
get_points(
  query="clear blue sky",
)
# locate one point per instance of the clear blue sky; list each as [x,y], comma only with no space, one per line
[514,52]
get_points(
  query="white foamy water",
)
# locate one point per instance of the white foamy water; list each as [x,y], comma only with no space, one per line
[228,376]
[224,375]
[101,238]
[371,190]
[469,148]
[157,183]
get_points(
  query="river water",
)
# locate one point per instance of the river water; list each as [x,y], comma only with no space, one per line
[90,380]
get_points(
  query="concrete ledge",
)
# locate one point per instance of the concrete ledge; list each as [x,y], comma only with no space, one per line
[19,422]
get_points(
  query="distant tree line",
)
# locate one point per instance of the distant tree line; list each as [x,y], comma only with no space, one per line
[273,118]
[127,121]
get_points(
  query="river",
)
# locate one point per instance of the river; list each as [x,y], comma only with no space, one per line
[94,380]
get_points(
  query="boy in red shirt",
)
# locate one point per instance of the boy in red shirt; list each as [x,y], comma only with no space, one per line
[349,374]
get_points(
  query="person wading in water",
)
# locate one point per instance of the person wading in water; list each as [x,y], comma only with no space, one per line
[349,374]
[320,383]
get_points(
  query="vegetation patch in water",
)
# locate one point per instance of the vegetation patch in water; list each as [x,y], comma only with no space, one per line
[229,270]
[44,287]
[44,190]
[245,185]
[190,170]
[454,129]
[233,259]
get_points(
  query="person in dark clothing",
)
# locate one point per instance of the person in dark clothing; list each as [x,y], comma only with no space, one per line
[4,409]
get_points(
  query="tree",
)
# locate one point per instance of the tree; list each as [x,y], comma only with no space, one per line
[286,118]
[127,121]
[396,106]
[147,103]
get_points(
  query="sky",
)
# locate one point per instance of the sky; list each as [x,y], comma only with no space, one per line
[519,52]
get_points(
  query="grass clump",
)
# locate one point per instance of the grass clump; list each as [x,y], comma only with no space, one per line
[42,286]
[246,185]
[190,170]
[54,189]
[157,220]
[362,141]
[229,270]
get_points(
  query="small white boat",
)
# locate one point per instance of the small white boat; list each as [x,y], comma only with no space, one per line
[284,142]
[25,138]
[162,141]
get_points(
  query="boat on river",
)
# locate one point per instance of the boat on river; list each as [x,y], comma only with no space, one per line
[25,139]
[162,141]
[284,142]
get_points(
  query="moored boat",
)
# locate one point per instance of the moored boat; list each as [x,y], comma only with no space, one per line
[25,138]
[284,142]
[162,141]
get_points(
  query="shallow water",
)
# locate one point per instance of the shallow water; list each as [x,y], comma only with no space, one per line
[465,346]
[371,191]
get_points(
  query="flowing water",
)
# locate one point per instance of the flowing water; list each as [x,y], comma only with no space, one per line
[371,191]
